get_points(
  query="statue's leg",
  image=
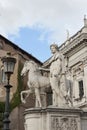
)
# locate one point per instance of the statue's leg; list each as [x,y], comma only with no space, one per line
[55,89]
[55,98]
[38,100]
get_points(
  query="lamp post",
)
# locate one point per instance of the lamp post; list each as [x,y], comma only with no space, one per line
[9,63]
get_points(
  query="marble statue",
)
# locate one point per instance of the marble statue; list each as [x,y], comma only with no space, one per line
[57,80]
[35,81]
[57,77]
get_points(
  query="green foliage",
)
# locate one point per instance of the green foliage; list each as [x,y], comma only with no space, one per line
[16,97]
[2,106]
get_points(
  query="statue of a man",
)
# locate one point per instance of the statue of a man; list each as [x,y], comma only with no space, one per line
[56,68]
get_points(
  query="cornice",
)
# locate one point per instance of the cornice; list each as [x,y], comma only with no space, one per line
[76,48]
[81,39]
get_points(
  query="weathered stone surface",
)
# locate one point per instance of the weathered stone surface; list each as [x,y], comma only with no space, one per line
[53,118]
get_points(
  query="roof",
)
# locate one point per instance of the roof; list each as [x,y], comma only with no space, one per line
[19,49]
[74,40]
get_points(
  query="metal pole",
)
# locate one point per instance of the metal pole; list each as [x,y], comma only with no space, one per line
[6,120]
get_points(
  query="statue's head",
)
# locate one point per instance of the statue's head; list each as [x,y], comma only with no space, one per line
[55,46]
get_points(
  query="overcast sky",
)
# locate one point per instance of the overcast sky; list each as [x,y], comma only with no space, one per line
[35,24]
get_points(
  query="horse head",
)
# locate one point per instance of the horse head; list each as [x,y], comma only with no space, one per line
[25,69]
[28,65]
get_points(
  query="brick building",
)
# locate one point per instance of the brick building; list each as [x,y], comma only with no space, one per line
[16,81]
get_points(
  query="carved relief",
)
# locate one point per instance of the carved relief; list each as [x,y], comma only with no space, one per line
[73,124]
[55,123]
[64,123]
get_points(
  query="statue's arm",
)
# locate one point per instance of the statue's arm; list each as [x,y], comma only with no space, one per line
[49,62]
[44,69]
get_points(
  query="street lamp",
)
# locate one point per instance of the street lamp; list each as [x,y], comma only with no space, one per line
[9,63]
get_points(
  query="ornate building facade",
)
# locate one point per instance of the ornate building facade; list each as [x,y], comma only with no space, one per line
[75,52]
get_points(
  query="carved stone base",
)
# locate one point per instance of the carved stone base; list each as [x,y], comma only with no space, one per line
[52,118]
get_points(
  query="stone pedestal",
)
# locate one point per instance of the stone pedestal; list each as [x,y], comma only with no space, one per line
[52,118]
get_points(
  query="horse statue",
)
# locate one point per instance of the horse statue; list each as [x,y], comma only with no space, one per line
[35,81]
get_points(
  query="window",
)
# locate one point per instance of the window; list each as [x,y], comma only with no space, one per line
[3,76]
[81,89]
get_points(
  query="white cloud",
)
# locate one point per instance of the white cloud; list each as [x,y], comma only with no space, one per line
[51,15]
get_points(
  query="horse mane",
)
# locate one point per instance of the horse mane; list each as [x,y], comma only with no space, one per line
[32,62]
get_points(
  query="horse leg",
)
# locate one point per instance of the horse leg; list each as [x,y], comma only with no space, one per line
[22,99]
[28,93]
[25,92]
[38,100]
